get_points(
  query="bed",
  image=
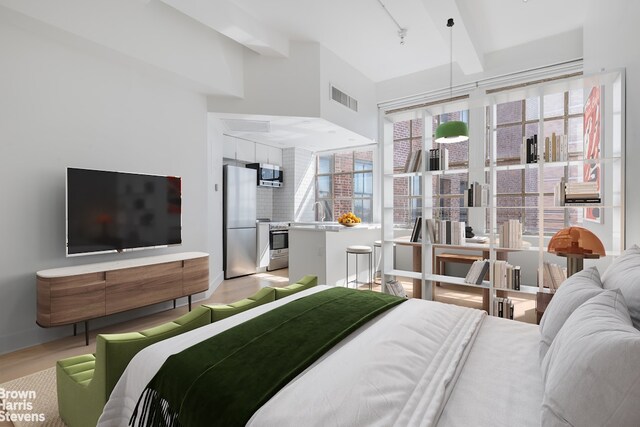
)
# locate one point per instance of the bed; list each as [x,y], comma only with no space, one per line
[427,363]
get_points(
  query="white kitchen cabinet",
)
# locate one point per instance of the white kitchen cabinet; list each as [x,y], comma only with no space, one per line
[245,150]
[229,147]
[275,156]
[262,153]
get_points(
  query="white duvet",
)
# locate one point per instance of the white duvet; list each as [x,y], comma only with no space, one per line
[399,369]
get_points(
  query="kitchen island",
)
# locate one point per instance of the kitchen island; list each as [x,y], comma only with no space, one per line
[320,249]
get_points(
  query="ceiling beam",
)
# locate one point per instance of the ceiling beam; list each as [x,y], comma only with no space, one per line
[230,20]
[467,41]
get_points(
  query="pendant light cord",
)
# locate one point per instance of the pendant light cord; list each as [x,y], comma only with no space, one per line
[450,25]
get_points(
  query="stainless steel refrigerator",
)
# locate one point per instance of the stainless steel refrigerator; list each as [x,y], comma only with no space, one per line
[239,220]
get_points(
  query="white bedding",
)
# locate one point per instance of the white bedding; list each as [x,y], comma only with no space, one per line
[500,384]
[399,369]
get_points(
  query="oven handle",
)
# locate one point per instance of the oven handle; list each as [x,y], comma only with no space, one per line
[279,231]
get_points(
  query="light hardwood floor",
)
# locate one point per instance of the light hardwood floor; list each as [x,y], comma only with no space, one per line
[43,356]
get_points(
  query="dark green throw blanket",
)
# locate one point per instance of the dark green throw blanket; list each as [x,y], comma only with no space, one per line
[223,380]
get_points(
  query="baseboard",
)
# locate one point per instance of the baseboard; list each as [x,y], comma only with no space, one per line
[213,285]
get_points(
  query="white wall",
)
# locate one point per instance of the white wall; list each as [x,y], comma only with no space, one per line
[294,200]
[149,32]
[336,72]
[65,106]
[299,86]
[610,33]
[277,86]
[215,140]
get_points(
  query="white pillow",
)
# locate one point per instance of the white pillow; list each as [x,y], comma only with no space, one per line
[592,370]
[576,290]
[624,274]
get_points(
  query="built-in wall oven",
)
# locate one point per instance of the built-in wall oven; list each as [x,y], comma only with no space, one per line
[278,245]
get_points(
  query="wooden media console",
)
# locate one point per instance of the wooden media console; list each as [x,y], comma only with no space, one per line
[71,295]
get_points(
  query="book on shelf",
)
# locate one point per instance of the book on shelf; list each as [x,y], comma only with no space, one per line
[477,195]
[417,165]
[447,232]
[477,272]
[556,148]
[529,150]
[414,161]
[553,275]
[503,307]
[506,276]
[510,234]
[431,230]
[438,159]
[395,288]
[408,164]
[416,234]
[576,193]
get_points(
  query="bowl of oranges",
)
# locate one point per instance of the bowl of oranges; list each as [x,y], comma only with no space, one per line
[349,219]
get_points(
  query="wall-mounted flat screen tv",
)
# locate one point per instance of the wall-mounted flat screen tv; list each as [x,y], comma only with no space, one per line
[115,211]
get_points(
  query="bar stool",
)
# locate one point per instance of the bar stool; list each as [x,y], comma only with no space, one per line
[359,250]
[377,246]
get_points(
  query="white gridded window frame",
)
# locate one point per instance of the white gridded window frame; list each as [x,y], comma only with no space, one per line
[331,200]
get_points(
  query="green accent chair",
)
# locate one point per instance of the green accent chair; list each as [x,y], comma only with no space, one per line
[305,283]
[85,382]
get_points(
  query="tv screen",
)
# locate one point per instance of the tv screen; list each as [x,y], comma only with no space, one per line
[115,211]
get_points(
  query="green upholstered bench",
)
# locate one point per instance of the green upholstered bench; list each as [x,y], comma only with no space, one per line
[263,296]
[222,311]
[305,283]
[85,382]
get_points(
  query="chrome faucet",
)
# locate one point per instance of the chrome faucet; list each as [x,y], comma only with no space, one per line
[323,214]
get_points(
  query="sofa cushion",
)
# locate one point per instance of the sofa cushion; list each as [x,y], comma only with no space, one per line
[624,274]
[306,282]
[576,290]
[79,368]
[263,296]
[591,372]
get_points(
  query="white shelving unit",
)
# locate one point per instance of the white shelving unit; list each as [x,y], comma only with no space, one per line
[484,105]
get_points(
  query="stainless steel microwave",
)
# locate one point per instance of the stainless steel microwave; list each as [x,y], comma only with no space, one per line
[267,175]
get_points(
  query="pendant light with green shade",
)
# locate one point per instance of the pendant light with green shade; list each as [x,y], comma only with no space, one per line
[452,131]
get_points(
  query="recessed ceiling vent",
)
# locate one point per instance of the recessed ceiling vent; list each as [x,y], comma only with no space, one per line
[344,99]
[244,125]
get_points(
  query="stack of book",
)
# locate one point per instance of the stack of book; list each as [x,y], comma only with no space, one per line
[581,192]
[510,233]
[476,196]
[576,193]
[395,288]
[529,150]
[438,159]
[503,307]
[506,276]
[444,232]
[556,148]
[553,276]
[414,161]
[477,272]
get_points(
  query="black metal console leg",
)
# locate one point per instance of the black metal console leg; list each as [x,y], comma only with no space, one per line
[75,329]
[189,302]
[174,303]
[86,332]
